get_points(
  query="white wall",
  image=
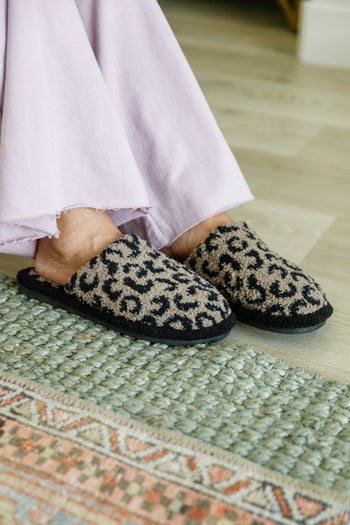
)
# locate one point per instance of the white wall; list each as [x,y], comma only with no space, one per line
[324,36]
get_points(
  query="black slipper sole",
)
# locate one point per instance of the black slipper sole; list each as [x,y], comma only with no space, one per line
[301,330]
[89,313]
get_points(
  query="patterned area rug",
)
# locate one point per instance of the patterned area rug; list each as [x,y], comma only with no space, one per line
[67,462]
[205,409]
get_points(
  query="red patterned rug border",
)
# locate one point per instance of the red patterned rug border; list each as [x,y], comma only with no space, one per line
[179,442]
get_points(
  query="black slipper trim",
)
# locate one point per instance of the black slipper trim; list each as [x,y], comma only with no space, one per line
[294,324]
[57,296]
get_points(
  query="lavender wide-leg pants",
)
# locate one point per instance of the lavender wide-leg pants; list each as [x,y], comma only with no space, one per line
[99,108]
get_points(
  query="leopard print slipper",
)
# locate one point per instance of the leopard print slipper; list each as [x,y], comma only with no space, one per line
[263,289]
[136,290]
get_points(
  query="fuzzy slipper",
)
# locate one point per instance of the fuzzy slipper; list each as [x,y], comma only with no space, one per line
[134,289]
[263,289]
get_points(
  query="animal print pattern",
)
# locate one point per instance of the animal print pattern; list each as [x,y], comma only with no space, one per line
[261,287]
[134,280]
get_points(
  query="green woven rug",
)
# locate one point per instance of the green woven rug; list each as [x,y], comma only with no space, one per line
[232,397]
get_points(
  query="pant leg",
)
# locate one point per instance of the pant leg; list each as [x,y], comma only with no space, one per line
[101,109]
[62,142]
[188,168]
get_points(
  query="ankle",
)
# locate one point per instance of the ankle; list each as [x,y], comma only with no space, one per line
[83,234]
[193,237]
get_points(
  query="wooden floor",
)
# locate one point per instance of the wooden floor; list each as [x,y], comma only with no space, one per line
[289,127]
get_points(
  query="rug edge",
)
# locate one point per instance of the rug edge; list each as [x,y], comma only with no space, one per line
[176,439]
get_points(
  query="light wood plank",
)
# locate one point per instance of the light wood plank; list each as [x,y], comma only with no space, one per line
[287,231]
[288,101]
[243,129]
[330,146]
[11,264]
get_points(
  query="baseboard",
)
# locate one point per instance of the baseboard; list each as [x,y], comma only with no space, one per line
[324,36]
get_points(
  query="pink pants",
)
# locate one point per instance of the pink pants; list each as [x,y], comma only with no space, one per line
[99,108]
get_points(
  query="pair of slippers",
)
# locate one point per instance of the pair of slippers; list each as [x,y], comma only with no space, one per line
[134,289]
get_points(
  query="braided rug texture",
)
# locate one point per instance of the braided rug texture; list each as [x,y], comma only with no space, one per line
[232,397]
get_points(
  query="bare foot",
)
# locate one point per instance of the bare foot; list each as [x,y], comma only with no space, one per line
[84,232]
[192,238]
